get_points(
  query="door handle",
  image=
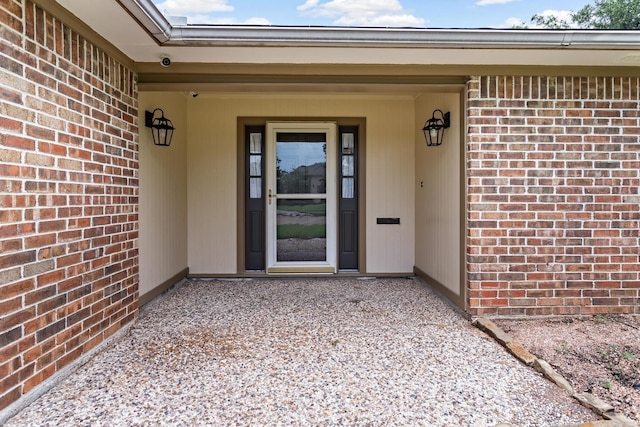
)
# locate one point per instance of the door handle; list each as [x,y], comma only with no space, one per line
[270,196]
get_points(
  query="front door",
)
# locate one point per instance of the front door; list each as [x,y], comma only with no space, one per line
[301,197]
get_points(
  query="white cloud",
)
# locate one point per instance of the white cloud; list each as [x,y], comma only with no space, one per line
[257,21]
[199,19]
[514,22]
[381,21]
[201,12]
[489,2]
[187,7]
[308,5]
[375,13]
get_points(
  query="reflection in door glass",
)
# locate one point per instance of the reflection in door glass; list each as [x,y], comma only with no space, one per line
[301,163]
[301,230]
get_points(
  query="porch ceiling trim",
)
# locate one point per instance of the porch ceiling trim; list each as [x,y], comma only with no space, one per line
[271,79]
[284,88]
[295,78]
[152,74]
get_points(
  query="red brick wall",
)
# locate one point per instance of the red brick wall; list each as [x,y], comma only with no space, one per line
[68,197]
[553,200]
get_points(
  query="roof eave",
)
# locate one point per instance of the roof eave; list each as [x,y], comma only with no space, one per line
[150,18]
[401,37]
[166,34]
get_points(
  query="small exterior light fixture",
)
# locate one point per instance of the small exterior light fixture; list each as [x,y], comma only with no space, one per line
[434,128]
[161,127]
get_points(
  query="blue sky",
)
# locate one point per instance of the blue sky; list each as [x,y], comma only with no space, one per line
[375,13]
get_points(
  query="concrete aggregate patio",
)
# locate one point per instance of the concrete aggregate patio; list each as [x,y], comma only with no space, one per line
[334,352]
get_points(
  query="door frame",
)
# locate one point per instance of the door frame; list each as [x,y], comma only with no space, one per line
[241,123]
[330,265]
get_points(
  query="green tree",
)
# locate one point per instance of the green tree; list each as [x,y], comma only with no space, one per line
[603,14]
[551,22]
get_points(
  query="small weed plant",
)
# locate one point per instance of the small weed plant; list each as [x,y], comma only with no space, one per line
[564,348]
[600,318]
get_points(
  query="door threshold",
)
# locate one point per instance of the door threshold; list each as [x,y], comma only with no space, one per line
[301,270]
[261,274]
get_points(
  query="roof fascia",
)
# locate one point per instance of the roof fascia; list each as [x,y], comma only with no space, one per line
[150,18]
[404,37]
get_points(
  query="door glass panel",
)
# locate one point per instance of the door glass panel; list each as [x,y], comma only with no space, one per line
[301,163]
[255,165]
[348,143]
[255,188]
[255,145]
[348,188]
[347,166]
[301,230]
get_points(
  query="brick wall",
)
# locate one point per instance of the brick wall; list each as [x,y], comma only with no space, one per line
[553,200]
[68,197]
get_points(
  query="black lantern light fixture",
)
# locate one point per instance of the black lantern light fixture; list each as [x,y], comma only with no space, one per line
[434,128]
[161,127]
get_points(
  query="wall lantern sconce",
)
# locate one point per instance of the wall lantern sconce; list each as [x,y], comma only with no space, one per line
[434,128]
[161,127]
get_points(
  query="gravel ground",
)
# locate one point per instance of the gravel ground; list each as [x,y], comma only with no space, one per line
[303,352]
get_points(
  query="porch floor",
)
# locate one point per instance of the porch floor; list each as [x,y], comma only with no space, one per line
[303,352]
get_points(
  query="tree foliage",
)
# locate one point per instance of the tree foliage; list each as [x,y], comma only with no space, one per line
[603,14]
[551,22]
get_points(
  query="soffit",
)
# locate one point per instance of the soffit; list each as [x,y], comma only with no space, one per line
[145,42]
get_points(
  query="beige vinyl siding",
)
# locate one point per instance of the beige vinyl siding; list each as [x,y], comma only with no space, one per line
[390,170]
[163,194]
[212,172]
[438,200]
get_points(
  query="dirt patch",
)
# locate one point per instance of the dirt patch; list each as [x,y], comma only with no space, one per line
[599,355]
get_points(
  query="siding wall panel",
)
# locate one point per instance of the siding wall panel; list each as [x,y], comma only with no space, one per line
[163,195]
[438,199]
[212,242]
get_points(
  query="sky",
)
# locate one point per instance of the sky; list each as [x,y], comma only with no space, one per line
[369,13]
